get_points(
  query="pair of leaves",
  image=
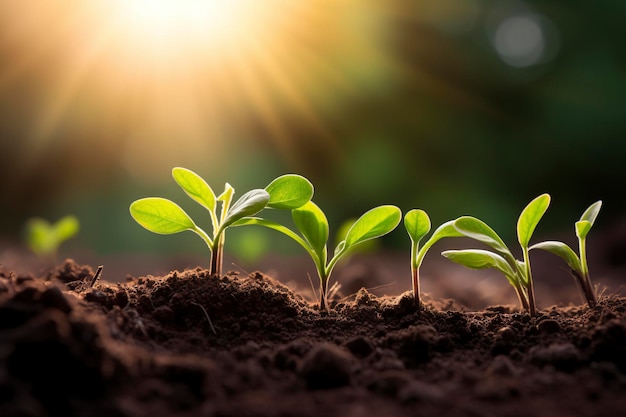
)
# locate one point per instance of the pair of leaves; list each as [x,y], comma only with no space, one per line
[163,216]
[313,226]
[44,238]
[503,260]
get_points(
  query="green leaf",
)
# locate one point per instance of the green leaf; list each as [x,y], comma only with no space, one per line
[417,224]
[289,192]
[39,236]
[561,250]
[445,230]
[195,187]
[529,218]
[312,223]
[583,226]
[592,212]
[248,204]
[160,215]
[374,223]
[65,228]
[582,229]
[477,229]
[275,226]
[480,259]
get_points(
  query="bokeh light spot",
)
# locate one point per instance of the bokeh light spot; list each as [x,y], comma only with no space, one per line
[520,41]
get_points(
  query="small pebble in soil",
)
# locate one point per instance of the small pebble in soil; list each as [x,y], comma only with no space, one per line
[562,356]
[326,366]
[360,346]
[549,326]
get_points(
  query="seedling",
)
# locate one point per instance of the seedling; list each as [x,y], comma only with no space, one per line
[163,216]
[312,224]
[578,264]
[417,224]
[44,238]
[517,272]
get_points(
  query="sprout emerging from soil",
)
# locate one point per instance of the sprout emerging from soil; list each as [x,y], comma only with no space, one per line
[517,272]
[577,264]
[163,216]
[312,224]
[44,238]
[417,224]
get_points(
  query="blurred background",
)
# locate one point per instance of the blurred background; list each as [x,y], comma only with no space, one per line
[472,107]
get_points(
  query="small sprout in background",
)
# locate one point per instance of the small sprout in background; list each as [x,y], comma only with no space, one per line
[162,216]
[44,238]
[517,272]
[417,224]
[312,224]
[577,264]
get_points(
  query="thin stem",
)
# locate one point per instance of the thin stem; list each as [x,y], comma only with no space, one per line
[532,310]
[217,256]
[585,280]
[521,295]
[415,272]
[323,290]
[585,286]
[416,287]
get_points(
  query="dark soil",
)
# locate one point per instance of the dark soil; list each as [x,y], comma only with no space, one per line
[191,344]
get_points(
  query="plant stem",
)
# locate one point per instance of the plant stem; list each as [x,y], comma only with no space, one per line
[584,280]
[585,286]
[416,286]
[529,285]
[323,285]
[521,295]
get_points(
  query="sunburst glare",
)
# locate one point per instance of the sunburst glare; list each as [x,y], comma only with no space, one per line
[151,75]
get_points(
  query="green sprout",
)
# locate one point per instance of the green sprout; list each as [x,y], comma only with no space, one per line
[417,224]
[44,238]
[517,272]
[577,264]
[312,224]
[163,216]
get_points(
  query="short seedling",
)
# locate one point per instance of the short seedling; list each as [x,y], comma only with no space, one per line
[417,224]
[517,272]
[577,264]
[160,215]
[44,238]
[312,224]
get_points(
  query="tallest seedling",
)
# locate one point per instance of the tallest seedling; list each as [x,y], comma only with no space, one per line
[162,216]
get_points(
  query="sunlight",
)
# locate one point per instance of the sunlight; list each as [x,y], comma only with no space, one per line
[157,82]
[214,22]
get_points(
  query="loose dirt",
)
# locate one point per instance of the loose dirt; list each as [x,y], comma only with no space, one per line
[191,344]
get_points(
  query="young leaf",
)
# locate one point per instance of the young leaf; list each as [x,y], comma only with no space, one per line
[417,224]
[480,259]
[312,223]
[592,212]
[479,230]
[530,217]
[561,250]
[195,187]
[374,223]
[447,229]
[65,228]
[248,204]
[582,228]
[160,215]
[289,192]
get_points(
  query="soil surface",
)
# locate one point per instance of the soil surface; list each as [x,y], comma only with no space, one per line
[191,344]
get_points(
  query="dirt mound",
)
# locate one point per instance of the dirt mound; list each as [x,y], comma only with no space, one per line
[193,344]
